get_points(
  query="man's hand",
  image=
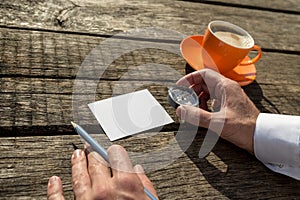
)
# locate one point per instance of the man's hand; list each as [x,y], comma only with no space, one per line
[93,179]
[233,110]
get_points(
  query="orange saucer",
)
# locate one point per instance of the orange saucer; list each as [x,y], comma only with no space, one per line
[190,49]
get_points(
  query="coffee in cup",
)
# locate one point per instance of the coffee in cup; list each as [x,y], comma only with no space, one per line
[234,39]
[225,45]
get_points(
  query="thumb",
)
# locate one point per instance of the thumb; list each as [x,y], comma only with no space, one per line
[194,115]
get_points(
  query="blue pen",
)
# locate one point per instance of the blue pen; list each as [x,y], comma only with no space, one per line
[100,150]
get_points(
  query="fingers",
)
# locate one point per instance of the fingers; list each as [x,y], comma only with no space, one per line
[210,77]
[94,180]
[81,182]
[99,173]
[191,79]
[54,189]
[205,80]
[194,115]
[124,177]
[119,160]
[138,169]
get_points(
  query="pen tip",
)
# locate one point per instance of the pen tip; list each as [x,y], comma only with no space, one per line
[73,124]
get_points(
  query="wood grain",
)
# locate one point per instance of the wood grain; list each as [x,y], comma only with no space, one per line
[43,45]
[109,17]
[38,75]
[289,6]
[31,53]
[27,163]
[25,104]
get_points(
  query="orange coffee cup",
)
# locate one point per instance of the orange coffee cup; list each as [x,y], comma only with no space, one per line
[225,45]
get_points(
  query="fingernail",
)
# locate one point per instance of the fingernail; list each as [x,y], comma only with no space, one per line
[77,153]
[139,169]
[53,180]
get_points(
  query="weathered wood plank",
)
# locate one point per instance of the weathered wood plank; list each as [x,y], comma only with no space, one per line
[273,5]
[107,17]
[29,98]
[58,79]
[37,71]
[50,108]
[38,54]
[52,55]
[27,162]
[55,109]
[35,100]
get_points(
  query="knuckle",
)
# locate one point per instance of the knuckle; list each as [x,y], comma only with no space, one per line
[228,83]
[79,180]
[76,184]
[78,188]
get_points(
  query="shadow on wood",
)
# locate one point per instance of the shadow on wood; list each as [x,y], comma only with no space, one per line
[237,174]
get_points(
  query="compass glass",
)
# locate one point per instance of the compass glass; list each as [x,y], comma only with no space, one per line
[181,95]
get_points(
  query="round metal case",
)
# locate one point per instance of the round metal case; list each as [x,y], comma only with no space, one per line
[182,95]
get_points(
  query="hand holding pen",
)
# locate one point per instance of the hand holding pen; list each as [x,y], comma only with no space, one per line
[93,179]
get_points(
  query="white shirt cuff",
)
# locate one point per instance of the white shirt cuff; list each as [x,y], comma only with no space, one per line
[277,143]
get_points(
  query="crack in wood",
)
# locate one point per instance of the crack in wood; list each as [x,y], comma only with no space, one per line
[65,14]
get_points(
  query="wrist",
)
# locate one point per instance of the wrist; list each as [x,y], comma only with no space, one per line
[250,134]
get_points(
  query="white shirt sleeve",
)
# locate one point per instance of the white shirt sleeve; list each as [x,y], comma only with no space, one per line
[277,143]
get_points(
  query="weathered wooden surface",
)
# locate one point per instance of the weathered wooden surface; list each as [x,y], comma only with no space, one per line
[27,162]
[39,70]
[271,31]
[55,55]
[43,44]
[289,6]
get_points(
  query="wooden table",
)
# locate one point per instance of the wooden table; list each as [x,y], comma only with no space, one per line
[43,44]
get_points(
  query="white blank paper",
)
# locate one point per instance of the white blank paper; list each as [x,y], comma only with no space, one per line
[129,114]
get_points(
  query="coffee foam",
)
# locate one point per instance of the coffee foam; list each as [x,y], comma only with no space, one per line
[234,39]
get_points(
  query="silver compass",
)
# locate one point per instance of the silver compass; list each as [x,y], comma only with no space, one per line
[182,95]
